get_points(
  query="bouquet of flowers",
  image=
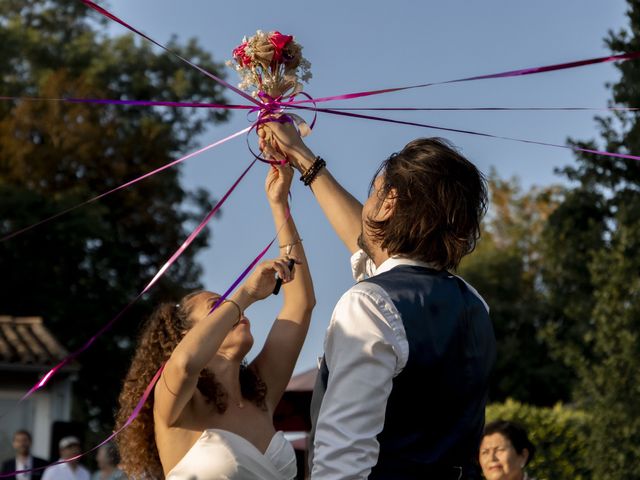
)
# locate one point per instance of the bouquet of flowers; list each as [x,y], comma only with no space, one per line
[270,63]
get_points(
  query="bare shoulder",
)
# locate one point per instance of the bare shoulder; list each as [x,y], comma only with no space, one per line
[173,444]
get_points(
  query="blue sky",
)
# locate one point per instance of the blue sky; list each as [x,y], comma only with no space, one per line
[363,45]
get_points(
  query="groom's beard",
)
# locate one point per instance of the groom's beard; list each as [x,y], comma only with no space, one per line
[362,243]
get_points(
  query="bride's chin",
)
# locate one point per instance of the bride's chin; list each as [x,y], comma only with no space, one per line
[246,344]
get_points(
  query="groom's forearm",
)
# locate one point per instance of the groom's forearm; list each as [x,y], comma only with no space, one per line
[340,207]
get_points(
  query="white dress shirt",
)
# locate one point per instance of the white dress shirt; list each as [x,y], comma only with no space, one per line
[63,471]
[24,465]
[365,348]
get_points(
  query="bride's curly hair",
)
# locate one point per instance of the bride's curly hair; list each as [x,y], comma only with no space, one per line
[159,336]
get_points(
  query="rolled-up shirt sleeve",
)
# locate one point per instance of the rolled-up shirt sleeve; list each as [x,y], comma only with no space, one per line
[365,349]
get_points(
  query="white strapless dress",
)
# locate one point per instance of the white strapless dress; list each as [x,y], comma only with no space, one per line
[223,455]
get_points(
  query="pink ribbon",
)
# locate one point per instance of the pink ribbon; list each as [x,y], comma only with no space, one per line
[272,106]
[132,417]
[154,103]
[160,272]
[110,15]
[154,380]
[488,135]
[483,109]
[127,184]
[509,73]
[471,132]
[146,103]
[244,273]
[291,103]
[143,103]
[267,113]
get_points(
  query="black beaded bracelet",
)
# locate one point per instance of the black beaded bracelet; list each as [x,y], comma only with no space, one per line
[310,175]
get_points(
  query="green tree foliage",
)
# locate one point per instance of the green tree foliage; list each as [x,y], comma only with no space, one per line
[610,380]
[505,268]
[558,433]
[80,270]
[591,270]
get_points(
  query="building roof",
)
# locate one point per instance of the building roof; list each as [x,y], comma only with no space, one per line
[26,342]
[292,412]
[303,382]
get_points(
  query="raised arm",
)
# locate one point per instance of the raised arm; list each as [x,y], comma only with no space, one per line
[342,210]
[277,359]
[200,344]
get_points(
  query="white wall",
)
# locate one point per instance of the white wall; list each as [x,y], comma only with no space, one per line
[35,414]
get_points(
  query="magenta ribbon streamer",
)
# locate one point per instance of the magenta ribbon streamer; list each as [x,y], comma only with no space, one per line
[160,272]
[127,184]
[244,273]
[528,71]
[157,103]
[510,73]
[110,15]
[292,103]
[143,103]
[483,109]
[266,113]
[154,380]
[150,103]
[480,134]
[132,417]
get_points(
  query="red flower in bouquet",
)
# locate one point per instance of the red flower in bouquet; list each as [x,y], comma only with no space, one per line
[240,54]
[271,63]
[279,42]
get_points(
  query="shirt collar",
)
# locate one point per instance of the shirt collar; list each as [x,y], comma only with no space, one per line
[397,260]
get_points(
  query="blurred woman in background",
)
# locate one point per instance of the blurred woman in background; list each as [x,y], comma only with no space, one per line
[505,451]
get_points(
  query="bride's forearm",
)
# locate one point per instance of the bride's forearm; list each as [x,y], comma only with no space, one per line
[299,293]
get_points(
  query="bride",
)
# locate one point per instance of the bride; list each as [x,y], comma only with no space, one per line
[211,414]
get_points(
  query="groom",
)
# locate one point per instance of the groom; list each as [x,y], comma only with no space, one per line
[402,387]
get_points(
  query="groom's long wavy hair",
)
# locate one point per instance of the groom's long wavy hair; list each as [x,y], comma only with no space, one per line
[441,198]
[159,336]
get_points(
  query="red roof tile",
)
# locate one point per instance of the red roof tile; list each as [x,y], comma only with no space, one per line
[26,341]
